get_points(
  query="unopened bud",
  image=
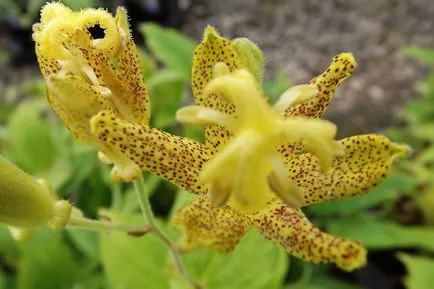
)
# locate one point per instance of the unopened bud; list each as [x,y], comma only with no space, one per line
[251,57]
[24,202]
[27,203]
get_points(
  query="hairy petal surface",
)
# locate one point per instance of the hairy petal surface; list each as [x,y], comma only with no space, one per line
[212,50]
[291,229]
[174,158]
[205,226]
[365,163]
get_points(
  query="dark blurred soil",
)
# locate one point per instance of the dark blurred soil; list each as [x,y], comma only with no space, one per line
[301,36]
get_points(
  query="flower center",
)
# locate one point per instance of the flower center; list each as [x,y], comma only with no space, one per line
[248,171]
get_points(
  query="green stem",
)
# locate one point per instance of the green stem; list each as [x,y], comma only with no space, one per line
[145,206]
[101,226]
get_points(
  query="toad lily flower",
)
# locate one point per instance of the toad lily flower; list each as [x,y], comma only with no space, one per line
[85,75]
[257,159]
[242,167]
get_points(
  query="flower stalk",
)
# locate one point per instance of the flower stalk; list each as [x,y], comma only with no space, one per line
[145,206]
[103,226]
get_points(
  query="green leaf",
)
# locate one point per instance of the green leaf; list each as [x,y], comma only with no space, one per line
[167,92]
[423,131]
[77,5]
[87,242]
[96,281]
[253,256]
[419,271]
[170,46]
[376,234]
[389,190]
[425,55]
[148,64]
[274,88]
[419,111]
[29,134]
[47,262]
[9,253]
[425,202]
[134,262]
[58,174]
[328,283]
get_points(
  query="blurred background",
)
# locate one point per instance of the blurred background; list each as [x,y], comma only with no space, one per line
[391,92]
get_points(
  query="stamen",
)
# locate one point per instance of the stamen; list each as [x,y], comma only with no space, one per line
[104,159]
[225,162]
[239,88]
[104,91]
[125,172]
[201,115]
[282,185]
[219,193]
[75,66]
[221,69]
[123,39]
[295,95]
[321,150]
[88,71]
[316,135]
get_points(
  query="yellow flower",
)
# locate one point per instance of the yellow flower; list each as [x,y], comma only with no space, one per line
[27,204]
[85,75]
[249,168]
[244,148]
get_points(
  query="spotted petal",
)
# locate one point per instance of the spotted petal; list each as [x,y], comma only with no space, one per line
[212,50]
[205,226]
[291,229]
[339,69]
[365,163]
[174,158]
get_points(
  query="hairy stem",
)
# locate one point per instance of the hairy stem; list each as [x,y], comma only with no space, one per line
[95,225]
[145,206]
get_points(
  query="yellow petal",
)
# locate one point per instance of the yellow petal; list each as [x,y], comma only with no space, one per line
[365,163]
[174,158]
[339,69]
[130,73]
[291,229]
[204,226]
[212,50]
[75,102]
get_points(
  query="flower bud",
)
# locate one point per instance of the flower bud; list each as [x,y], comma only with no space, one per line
[251,57]
[24,202]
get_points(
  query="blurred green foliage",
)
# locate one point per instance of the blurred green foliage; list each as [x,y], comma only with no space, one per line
[31,136]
